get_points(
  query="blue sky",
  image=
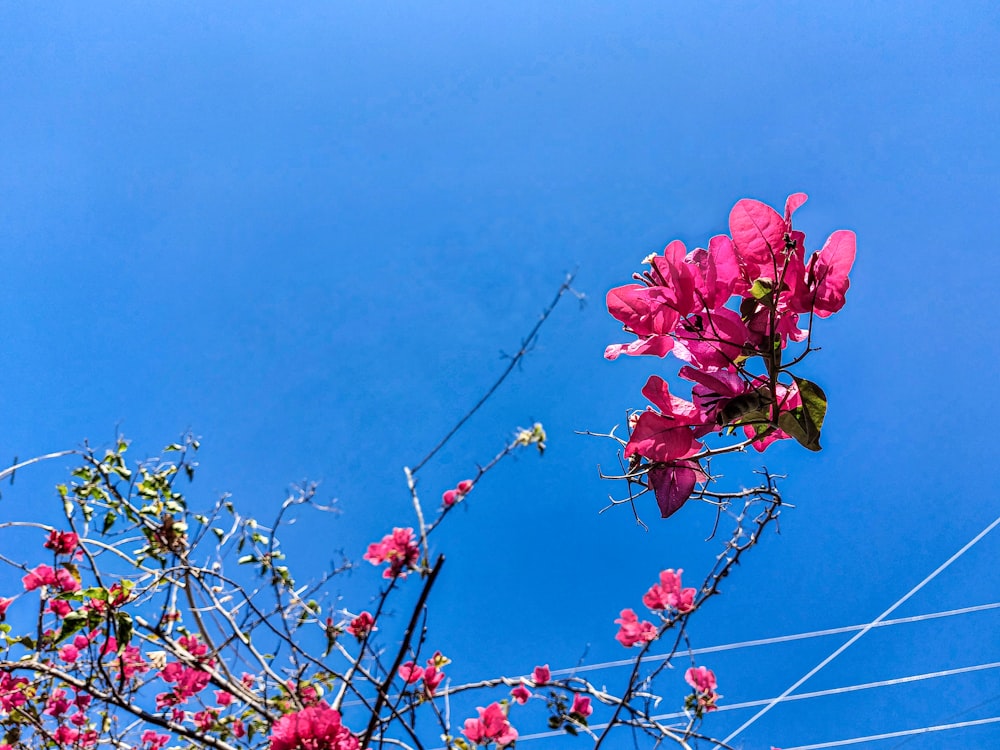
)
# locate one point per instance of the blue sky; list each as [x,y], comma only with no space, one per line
[306,233]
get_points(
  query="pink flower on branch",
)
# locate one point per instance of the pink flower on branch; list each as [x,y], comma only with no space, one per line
[399,549]
[315,728]
[491,726]
[705,696]
[668,594]
[62,542]
[541,675]
[521,693]
[581,705]
[362,626]
[701,679]
[410,672]
[433,676]
[450,497]
[41,575]
[632,631]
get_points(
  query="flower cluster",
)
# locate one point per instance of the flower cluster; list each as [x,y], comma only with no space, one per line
[187,681]
[667,598]
[540,676]
[456,495]
[42,575]
[315,728]
[399,549]
[668,593]
[62,542]
[491,726]
[432,674]
[362,626]
[718,310]
[704,697]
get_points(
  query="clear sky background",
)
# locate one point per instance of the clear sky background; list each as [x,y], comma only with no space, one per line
[306,232]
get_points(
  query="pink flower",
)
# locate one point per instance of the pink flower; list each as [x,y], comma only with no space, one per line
[399,549]
[632,631]
[41,575]
[66,581]
[828,271]
[62,542]
[541,675]
[315,728]
[57,703]
[521,693]
[668,594]
[491,726]
[432,678]
[410,672]
[361,626]
[4,603]
[451,497]
[69,653]
[59,607]
[153,741]
[204,720]
[701,679]
[581,705]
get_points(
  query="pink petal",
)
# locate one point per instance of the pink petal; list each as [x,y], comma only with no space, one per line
[758,233]
[830,268]
[659,346]
[672,486]
[792,204]
[660,439]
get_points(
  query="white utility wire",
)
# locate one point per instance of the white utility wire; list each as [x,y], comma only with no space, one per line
[845,689]
[903,733]
[898,603]
[767,641]
[797,697]
[778,639]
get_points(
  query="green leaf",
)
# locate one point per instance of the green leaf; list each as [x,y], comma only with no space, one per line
[761,288]
[813,401]
[123,630]
[806,422]
[71,623]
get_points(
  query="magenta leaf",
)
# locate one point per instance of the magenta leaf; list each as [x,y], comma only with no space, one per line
[673,485]
[792,204]
[758,233]
[644,310]
[659,438]
[830,267]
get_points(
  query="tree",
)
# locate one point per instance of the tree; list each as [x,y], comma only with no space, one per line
[159,626]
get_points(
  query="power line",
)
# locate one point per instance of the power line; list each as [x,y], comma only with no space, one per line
[782,638]
[846,689]
[899,602]
[800,696]
[768,641]
[903,733]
